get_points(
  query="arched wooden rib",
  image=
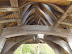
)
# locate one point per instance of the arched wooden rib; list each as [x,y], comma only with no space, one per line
[49,11]
[57,8]
[11,43]
[22,6]
[54,46]
[61,43]
[38,16]
[42,19]
[27,14]
[30,17]
[46,16]
[25,9]
[32,21]
[35,21]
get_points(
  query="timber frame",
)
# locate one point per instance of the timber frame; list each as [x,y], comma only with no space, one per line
[21,20]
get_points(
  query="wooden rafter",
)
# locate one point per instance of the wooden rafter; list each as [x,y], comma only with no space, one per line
[66,23]
[67,13]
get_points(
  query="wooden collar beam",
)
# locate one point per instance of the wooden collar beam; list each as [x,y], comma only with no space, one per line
[33,29]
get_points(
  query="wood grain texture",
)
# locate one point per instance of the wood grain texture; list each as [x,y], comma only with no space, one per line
[33,29]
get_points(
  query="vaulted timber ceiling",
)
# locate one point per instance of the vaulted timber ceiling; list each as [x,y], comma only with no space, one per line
[56,13]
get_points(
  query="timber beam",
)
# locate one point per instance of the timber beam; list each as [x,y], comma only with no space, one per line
[49,0]
[8,20]
[66,23]
[8,9]
[67,13]
[33,29]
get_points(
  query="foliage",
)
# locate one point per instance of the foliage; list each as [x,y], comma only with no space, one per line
[33,48]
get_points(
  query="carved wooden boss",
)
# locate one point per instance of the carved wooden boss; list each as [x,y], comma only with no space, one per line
[22,20]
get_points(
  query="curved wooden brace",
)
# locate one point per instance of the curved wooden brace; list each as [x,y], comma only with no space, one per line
[10,47]
[42,19]
[37,16]
[12,42]
[25,4]
[57,49]
[32,21]
[49,11]
[27,14]
[25,9]
[29,18]
[57,8]
[42,12]
[16,45]
[61,43]
[36,21]
[46,16]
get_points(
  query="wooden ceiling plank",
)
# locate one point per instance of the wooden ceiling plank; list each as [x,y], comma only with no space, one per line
[67,13]
[8,9]
[14,3]
[8,20]
[34,29]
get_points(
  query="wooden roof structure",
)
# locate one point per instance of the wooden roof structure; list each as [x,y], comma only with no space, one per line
[13,11]
[31,17]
